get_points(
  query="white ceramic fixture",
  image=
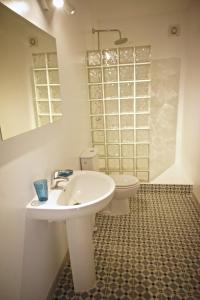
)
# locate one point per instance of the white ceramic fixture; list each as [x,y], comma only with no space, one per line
[126,186]
[86,193]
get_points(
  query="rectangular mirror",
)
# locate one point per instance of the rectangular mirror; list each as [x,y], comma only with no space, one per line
[29,80]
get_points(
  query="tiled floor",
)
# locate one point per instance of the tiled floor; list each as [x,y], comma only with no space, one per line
[152,253]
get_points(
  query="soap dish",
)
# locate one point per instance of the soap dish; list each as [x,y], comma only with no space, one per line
[65,173]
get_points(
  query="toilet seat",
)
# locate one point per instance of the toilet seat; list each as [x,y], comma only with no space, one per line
[125,181]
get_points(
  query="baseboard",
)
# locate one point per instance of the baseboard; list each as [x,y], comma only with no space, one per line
[55,281]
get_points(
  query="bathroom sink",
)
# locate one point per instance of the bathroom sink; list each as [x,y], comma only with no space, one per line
[86,193]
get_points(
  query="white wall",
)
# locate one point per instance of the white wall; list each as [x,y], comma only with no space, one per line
[191,121]
[31,252]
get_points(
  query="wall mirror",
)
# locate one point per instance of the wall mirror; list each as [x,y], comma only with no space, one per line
[29,77]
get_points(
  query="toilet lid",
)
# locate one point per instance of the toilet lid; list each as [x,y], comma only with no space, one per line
[124,180]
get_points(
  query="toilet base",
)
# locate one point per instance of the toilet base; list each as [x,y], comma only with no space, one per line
[117,207]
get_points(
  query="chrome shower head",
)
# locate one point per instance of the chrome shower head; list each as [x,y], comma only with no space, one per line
[120,41]
[117,42]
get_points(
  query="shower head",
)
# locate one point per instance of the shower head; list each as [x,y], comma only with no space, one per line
[120,41]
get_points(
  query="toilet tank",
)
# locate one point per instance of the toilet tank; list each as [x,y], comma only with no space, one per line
[89,160]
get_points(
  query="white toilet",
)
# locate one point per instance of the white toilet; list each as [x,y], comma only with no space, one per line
[126,186]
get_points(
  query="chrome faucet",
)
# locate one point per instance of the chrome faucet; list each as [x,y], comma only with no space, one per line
[59,176]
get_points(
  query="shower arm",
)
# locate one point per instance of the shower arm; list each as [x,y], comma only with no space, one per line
[98,31]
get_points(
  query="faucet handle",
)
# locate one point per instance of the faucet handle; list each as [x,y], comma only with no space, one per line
[62,173]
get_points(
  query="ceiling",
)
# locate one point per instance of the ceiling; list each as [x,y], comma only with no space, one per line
[115,9]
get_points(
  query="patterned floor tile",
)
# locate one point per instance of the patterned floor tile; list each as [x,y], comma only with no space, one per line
[97,293]
[151,253]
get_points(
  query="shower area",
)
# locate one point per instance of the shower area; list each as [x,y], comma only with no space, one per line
[129,96]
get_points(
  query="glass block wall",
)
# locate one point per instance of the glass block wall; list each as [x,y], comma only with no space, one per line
[46,88]
[119,97]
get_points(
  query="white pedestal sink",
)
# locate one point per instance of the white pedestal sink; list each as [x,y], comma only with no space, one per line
[86,193]
[79,234]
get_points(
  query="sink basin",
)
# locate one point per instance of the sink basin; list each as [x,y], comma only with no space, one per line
[86,193]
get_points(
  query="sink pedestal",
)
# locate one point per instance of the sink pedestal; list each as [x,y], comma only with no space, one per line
[81,251]
[86,193]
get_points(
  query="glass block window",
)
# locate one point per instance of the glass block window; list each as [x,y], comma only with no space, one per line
[46,88]
[119,81]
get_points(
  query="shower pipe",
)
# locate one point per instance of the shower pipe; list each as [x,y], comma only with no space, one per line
[119,41]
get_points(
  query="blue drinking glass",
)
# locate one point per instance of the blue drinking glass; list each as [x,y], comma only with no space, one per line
[41,188]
